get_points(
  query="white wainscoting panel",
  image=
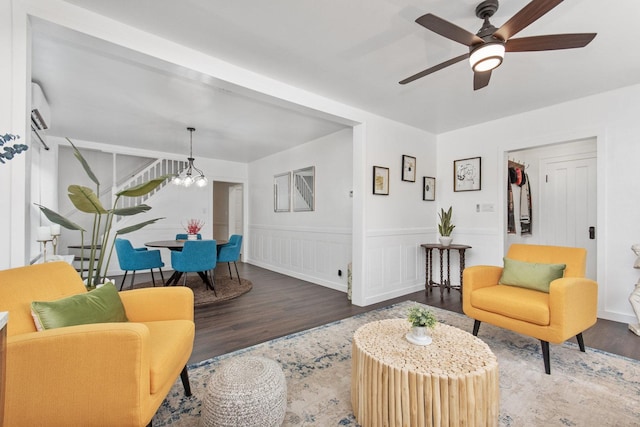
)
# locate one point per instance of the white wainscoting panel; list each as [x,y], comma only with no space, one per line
[314,254]
[394,262]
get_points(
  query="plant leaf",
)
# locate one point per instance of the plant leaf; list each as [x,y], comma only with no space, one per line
[85,200]
[133,210]
[144,188]
[137,226]
[56,218]
[84,163]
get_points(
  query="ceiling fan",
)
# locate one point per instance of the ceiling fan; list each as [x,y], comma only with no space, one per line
[488,46]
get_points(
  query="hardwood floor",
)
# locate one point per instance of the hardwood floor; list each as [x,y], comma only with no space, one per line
[279,305]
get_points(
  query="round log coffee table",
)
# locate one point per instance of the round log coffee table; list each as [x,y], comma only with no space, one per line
[451,382]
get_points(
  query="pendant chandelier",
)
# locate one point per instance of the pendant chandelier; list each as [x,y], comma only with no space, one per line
[185,178]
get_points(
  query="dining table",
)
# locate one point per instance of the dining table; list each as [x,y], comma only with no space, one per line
[177,245]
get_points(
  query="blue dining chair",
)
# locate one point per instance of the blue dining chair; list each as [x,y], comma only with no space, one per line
[230,253]
[197,256]
[134,259]
[184,236]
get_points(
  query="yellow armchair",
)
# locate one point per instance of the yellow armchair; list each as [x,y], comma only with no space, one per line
[106,374]
[567,310]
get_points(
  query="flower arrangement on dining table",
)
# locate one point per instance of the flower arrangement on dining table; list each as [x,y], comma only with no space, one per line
[194,226]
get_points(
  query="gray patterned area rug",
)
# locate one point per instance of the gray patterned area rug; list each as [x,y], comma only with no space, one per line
[584,389]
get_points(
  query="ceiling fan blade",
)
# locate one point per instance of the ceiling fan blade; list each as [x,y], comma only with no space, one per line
[550,42]
[525,17]
[480,80]
[448,30]
[434,69]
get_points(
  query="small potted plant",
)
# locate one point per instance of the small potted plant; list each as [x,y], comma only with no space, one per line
[421,319]
[445,227]
[193,228]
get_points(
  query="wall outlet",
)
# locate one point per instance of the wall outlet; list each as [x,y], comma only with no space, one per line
[339,273]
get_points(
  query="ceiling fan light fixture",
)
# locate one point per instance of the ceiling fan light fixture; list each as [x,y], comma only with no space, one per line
[486,57]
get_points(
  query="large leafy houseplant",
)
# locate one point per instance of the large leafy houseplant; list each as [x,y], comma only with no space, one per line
[86,200]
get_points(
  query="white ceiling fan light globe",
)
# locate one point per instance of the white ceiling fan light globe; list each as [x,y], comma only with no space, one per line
[486,57]
[188,180]
[177,180]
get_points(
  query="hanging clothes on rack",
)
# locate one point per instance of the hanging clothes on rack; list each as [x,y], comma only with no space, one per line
[525,206]
[511,220]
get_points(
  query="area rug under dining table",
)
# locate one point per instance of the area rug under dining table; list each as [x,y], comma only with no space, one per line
[226,288]
[595,388]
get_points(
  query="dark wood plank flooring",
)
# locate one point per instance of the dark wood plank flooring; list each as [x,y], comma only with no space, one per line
[279,305]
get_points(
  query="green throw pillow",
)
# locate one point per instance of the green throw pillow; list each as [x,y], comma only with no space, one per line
[530,275]
[98,306]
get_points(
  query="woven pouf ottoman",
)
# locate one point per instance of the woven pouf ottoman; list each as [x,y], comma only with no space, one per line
[247,392]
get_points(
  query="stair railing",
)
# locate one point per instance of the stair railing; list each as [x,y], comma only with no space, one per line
[154,170]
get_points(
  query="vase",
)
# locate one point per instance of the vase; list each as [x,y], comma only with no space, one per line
[105,280]
[445,240]
[192,237]
[419,335]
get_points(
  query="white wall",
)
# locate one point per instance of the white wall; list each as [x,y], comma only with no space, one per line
[310,245]
[612,119]
[15,79]
[397,224]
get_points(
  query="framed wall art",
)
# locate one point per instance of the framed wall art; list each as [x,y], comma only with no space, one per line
[428,188]
[408,168]
[381,180]
[467,174]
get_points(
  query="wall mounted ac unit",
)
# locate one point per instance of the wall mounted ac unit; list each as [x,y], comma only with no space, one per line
[40,114]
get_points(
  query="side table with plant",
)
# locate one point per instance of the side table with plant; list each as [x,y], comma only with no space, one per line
[422,320]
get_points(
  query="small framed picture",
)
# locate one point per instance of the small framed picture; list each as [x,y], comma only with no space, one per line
[467,174]
[381,180]
[408,168]
[428,188]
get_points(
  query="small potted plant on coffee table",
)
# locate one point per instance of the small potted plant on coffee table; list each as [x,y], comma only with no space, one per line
[422,320]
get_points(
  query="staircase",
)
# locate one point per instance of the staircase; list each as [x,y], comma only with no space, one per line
[154,170]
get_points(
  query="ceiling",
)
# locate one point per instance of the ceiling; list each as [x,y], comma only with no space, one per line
[354,52]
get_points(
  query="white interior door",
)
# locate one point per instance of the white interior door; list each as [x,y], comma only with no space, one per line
[236,222]
[568,208]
